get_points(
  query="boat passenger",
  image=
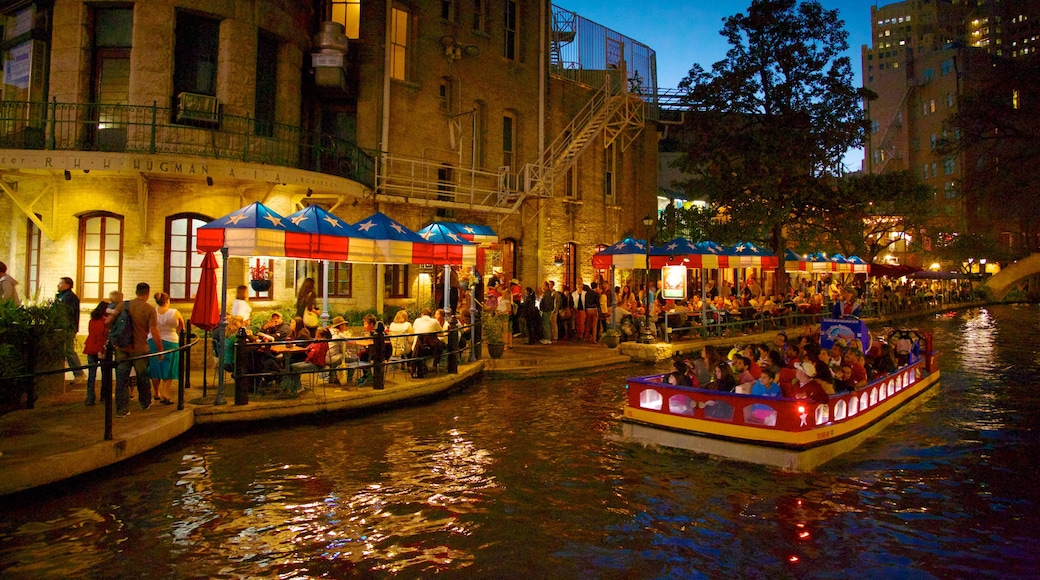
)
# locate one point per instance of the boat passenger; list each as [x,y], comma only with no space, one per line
[703,366]
[724,379]
[842,382]
[854,359]
[766,385]
[678,376]
[741,369]
[805,385]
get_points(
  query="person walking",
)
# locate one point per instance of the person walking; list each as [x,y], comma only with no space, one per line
[67,299]
[8,286]
[144,319]
[97,336]
[163,372]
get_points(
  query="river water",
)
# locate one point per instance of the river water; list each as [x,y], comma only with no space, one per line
[525,480]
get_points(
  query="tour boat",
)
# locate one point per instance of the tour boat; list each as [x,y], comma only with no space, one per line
[792,434]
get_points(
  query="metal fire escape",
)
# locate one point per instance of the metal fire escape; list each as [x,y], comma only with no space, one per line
[616,110]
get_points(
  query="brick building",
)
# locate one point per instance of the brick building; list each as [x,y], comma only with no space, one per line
[125,126]
[925,55]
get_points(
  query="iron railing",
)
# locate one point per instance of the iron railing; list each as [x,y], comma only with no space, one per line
[151,129]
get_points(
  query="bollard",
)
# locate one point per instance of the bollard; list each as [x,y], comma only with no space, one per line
[183,364]
[375,356]
[453,346]
[107,368]
[241,368]
[477,336]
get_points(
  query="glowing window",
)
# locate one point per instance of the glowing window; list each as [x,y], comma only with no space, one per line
[681,405]
[651,399]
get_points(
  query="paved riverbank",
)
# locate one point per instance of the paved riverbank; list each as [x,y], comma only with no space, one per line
[62,438]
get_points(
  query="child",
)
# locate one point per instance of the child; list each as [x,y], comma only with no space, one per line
[766,385]
[97,336]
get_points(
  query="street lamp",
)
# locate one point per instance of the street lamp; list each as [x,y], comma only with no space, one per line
[648,335]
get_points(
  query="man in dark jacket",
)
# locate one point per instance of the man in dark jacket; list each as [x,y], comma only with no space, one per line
[67,299]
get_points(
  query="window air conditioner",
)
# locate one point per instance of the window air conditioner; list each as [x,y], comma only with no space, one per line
[198,108]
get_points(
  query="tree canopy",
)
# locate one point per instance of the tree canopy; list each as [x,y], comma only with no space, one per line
[773,120]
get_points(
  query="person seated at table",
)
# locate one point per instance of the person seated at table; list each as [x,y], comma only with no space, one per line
[275,329]
[400,325]
[368,328]
[441,317]
[314,360]
[426,343]
[338,351]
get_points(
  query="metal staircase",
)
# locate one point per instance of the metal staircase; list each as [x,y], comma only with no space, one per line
[612,111]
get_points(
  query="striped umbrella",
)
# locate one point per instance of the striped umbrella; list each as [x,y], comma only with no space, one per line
[328,233]
[378,239]
[628,254]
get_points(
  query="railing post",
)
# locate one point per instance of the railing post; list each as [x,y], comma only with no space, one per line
[242,383]
[51,141]
[107,368]
[184,359]
[155,112]
[477,334]
[375,356]
[453,345]
[245,136]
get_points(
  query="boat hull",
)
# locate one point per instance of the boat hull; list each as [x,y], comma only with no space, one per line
[801,448]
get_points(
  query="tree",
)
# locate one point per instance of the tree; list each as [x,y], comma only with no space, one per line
[867,210]
[774,118]
[997,132]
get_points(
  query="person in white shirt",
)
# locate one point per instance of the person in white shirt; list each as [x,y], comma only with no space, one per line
[241,307]
[400,325]
[427,343]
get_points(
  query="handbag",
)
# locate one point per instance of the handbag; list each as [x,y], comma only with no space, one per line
[566,313]
[310,319]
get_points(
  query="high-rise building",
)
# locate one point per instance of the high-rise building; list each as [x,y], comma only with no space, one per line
[125,126]
[925,55]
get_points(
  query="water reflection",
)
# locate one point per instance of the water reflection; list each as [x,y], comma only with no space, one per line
[525,480]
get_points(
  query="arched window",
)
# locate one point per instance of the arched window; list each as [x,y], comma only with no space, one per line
[183,264]
[100,255]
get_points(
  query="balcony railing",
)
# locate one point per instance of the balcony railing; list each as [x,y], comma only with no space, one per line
[151,130]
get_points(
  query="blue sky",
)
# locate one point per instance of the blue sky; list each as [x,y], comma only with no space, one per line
[684,32]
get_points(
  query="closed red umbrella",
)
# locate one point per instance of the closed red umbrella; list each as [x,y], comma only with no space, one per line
[205,313]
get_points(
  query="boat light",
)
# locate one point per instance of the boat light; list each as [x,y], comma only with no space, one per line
[801,408]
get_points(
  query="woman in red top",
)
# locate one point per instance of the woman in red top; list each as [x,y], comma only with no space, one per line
[316,353]
[97,336]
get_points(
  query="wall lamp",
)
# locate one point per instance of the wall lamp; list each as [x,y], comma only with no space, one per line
[310,192]
[455,51]
[68,175]
[209,181]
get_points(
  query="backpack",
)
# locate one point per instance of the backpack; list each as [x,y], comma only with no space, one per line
[122,332]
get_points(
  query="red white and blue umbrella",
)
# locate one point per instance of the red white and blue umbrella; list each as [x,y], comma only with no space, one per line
[748,255]
[628,254]
[448,247]
[328,233]
[255,230]
[476,233]
[378,239]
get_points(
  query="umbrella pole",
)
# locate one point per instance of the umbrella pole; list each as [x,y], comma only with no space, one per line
[447,288]
[324,292]
[223,325]
[205,357]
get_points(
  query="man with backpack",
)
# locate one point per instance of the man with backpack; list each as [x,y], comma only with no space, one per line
[143,319]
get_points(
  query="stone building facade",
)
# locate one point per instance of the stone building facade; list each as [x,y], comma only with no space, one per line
[123,127]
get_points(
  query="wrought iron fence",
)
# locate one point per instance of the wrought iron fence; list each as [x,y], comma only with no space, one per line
[153,129]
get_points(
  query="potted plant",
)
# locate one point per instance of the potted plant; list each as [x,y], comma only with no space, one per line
[492,328]
[611,337]
[260,277]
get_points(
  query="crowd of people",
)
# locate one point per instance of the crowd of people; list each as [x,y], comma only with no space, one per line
[798,369]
